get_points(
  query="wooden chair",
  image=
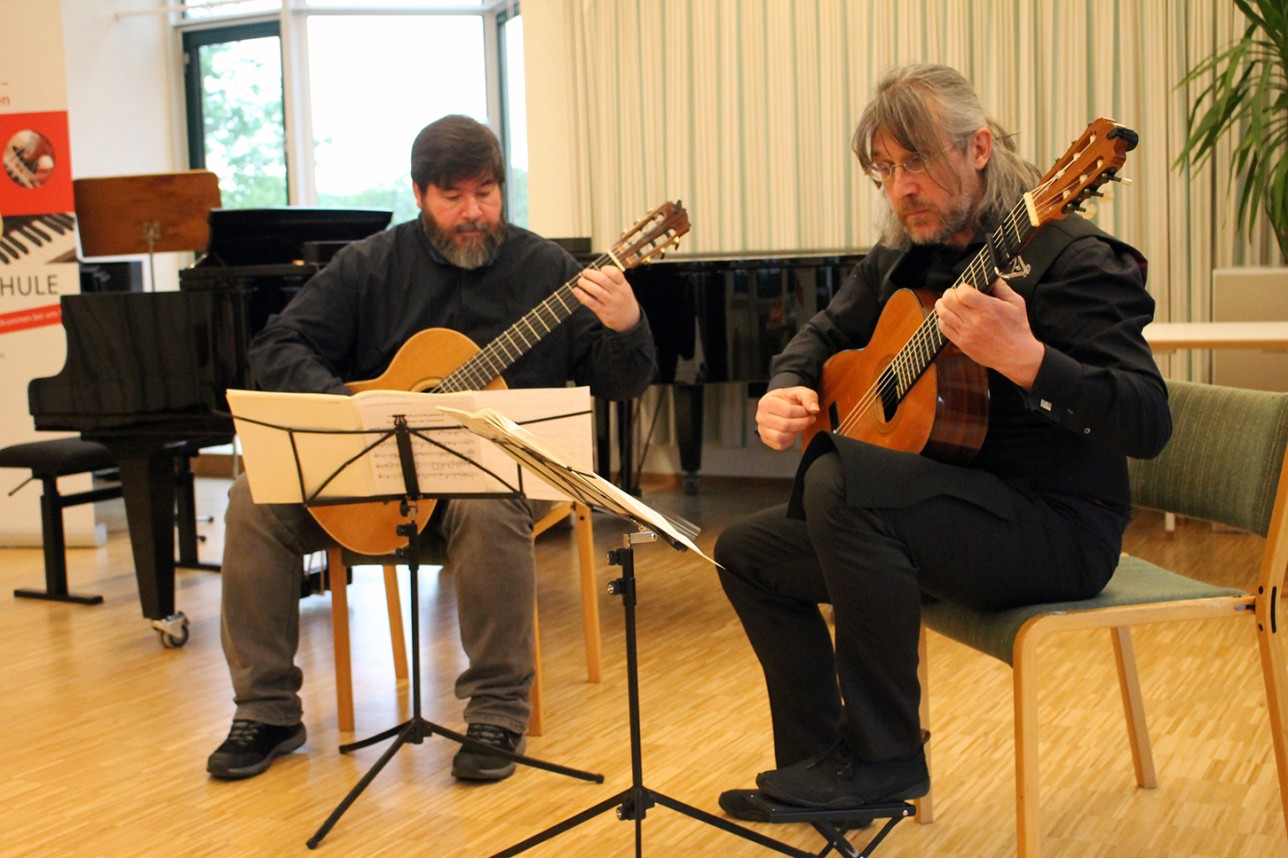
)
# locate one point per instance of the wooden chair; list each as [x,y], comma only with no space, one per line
[1225,463]
[340,559]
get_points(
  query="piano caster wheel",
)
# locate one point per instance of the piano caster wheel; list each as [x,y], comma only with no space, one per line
[173,630]
[692,482]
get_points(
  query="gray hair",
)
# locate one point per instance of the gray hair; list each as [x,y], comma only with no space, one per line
[916,105]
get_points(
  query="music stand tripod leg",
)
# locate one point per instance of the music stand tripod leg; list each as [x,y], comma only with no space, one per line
[633,803]
[415,730]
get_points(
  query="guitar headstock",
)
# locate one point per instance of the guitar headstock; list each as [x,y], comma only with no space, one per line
[1093,159]
[650,238]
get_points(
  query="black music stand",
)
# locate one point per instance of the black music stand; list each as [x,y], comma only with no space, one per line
[633,802]
[416,729]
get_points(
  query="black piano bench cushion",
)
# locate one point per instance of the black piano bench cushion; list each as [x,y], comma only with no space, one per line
[57,457]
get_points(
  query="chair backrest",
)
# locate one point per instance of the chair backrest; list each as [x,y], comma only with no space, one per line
[1225,458]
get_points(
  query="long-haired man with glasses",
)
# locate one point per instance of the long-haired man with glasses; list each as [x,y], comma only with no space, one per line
[1036,515]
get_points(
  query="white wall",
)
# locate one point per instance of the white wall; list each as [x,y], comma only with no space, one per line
[124,92]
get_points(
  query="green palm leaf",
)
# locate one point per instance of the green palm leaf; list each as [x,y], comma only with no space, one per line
[1247,95]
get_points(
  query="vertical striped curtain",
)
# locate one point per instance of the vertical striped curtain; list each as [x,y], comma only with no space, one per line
[744,109]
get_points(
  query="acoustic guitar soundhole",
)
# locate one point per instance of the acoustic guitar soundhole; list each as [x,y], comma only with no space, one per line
[888,392]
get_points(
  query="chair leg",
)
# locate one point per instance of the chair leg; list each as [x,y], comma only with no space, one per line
[589,593]
[1272,671]
[1028,826]
[925,805]
[1142,754]
[396,637]
[54,542]
[340,639]
[536,718]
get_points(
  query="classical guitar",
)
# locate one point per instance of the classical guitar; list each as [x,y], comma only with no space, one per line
[445,361]
[912,390]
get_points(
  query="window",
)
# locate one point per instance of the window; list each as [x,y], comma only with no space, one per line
[398,74]
[233,78]
[368,77]
[514,101]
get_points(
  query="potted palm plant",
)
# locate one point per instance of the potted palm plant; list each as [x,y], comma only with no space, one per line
[1248,98]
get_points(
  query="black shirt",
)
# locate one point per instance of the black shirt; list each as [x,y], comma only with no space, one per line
[1098,396]
[350,319]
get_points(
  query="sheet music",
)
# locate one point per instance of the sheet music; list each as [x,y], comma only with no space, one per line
[552,465]
[314,446]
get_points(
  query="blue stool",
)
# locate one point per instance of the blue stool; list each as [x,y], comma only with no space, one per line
[47,461]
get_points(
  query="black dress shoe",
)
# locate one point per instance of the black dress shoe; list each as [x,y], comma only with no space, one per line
[753,805]
[739,804]
[839,780]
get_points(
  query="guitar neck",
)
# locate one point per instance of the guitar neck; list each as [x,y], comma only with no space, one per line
[1000,250]
[515,341]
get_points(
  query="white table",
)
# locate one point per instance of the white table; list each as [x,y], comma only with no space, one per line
[1266,336]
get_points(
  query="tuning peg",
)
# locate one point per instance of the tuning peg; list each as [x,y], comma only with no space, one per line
[1089,210]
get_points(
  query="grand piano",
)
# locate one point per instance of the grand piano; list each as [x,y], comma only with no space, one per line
[146,373]
[719,318]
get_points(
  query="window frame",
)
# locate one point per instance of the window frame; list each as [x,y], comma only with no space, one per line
[290,25]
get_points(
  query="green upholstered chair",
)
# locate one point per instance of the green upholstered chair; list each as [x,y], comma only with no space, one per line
[1225,464]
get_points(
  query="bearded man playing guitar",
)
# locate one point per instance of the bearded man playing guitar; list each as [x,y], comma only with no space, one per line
[1024,503]
[459,269]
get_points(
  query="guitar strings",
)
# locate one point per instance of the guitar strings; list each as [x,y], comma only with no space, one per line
[927,340]
[488,363]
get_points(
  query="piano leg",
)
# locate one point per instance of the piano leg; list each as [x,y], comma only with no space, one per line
[148,484]
[627,479]
[185,514]
[687,401]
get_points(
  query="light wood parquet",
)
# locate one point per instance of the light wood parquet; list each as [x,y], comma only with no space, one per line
[105,733]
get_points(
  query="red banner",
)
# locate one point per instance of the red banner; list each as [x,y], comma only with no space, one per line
[33,317]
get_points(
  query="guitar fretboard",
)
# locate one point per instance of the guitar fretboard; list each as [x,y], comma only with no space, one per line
[1003,245]
[477,372]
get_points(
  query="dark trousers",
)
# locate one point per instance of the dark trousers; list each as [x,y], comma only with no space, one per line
[874,566]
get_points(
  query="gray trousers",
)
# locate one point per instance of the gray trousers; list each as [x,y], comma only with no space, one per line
[489,545]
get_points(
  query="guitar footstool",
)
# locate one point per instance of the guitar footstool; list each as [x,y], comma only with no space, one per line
[755,806]
[47,461]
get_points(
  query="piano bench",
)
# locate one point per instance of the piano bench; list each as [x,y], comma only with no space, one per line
[47,461]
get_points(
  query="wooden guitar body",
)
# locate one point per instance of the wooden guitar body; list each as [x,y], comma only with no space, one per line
[420,365]
[944,414]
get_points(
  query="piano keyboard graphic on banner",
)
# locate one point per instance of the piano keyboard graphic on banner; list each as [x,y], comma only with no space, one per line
[38,239]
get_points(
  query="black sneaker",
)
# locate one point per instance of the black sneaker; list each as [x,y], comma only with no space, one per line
[840,780]
[472,765]
[251,746]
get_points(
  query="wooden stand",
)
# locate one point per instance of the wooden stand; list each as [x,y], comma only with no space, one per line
[166,212]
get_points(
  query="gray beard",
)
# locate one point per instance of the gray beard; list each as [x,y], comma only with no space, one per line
[473,254]
[893,233]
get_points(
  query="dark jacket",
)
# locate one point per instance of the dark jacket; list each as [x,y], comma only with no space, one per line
[350,319]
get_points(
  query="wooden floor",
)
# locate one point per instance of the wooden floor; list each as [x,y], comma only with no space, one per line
[105,733]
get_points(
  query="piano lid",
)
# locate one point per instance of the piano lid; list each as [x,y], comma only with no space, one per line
[244,237]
